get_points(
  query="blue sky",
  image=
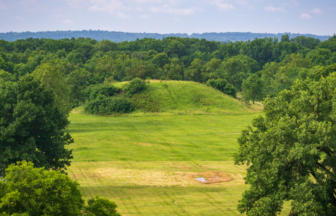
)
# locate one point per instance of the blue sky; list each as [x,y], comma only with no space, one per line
[170,16]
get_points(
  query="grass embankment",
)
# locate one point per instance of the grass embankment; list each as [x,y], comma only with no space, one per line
[147,163]
[182,97]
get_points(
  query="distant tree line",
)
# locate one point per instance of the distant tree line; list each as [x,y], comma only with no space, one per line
[258,68]
[129,36]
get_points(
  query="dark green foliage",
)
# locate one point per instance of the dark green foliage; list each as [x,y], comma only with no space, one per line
[35,191]
[161,59]
[39,192]
[78,80]
[134,86]
[253,88]
[100,207]
[320,56]
[223,86]
[31,127]
[83,62]
[102,89]
[290,152]
[324,72]
[109,106]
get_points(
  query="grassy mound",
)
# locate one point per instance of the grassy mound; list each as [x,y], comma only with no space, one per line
[181,97]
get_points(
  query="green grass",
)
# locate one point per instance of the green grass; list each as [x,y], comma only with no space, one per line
[156,138]
[182,97]
[145,168]
[146,162]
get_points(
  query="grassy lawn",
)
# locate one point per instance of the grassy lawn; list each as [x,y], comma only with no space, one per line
[147,164]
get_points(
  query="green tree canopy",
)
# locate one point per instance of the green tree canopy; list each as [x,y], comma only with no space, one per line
[161,59]
[78,80]
[31,127]
[253,88]
[36,191]
[174,70]
[51,78]
[291,152]
[235,71]
[194,71]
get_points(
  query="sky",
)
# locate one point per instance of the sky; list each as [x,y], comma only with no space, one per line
[170,16]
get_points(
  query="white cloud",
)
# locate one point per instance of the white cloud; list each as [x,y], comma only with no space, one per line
[67,21]
[174,10]
[279,9]
[222,5]
[316,11]
[113,7]
[305,16]
[144,16]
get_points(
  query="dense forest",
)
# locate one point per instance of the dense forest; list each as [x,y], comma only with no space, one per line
[129,36]
[258,68]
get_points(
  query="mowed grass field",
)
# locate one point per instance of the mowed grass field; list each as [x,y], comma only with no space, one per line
[147,162]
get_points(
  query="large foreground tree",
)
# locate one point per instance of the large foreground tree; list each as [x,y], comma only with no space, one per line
[35,191]
[31,126]
[291,152]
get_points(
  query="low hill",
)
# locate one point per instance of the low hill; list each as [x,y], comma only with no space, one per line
[129,36]
[183,97]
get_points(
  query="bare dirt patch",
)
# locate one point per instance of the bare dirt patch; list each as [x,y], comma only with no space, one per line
[210,177]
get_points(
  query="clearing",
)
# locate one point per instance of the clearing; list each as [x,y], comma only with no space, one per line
[155,163]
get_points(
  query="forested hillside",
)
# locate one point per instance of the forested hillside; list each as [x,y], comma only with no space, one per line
[257,68]
[129,36]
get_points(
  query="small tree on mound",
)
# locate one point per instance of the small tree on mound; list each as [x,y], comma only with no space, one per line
[136,85]
[291,152]
[36,191]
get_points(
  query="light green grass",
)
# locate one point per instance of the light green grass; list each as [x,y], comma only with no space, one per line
[156,138]
[182,97]
[146,162]
[146,169]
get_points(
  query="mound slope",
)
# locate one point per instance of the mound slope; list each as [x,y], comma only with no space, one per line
[181,97]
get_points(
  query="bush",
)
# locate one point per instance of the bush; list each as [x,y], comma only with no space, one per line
[222,85]
[36,191]
[134,86]
[100,207]
[102,89]
[109,106]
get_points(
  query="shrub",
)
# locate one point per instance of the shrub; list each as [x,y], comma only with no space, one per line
[109,106]
[222,85]
[102,89]
[36,191]
[100,207]
[134,86]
